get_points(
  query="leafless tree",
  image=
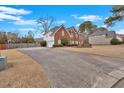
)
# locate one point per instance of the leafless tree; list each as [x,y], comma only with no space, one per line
[45,23]
[3,37]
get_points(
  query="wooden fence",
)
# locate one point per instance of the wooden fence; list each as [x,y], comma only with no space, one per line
[2,46]
[20,45]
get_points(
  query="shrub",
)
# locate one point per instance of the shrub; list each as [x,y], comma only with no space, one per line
[115,41]
[72,45]
[43,43]
[60,45]
[64,41]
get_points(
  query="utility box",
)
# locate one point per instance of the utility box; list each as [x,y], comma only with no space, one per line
[3,62]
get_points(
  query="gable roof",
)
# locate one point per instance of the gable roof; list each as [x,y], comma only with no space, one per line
[121,35]
[71,28]
[99,32]
[52,31]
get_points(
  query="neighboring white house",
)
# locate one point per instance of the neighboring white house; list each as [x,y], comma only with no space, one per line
[101,37]
[119,38]
[49,39]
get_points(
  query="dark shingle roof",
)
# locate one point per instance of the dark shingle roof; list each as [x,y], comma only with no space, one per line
[121,35]
[107,33]
[70,28]
[53,30]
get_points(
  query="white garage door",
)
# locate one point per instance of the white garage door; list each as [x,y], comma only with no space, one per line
[50,44]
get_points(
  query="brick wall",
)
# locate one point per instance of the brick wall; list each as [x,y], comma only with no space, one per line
[58,35]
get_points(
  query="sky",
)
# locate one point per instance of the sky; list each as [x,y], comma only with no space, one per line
[23,18]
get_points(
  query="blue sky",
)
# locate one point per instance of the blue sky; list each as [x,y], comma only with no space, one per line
[22,18]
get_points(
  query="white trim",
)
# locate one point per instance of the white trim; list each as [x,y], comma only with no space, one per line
[58,29]
[64,29]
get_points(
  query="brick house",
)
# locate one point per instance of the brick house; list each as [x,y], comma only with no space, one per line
[74,35]
[56,34]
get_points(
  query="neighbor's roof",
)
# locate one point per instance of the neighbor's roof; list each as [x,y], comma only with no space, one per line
[99,32]
[121,35]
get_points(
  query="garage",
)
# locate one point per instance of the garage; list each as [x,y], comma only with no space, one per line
[50,43]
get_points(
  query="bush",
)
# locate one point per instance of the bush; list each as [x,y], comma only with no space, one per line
[72,45]
[64,41]
[60,45]
[43,43]
[115,41]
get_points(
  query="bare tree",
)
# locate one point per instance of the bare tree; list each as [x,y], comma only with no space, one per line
[45,23]
[3,37]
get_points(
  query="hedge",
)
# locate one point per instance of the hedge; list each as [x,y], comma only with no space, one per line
[115,41]
[43,43]
[60,45]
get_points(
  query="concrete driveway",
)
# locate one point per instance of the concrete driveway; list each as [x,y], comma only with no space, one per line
[67,69]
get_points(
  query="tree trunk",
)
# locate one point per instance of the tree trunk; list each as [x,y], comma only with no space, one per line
[85,40]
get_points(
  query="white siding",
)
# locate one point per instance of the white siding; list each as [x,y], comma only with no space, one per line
[99,40]
[119,38]
[49,40]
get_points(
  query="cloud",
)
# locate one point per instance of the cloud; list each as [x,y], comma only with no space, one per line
[13,14]
[75,16]
[24,22]
[27,29]
[88,17]
[17,19]
[9,10]
[104,26]
[121,31]
[61,22]
[1,19]
[8,17]
[77,25]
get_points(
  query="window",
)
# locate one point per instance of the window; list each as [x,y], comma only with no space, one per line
[59,41]
[76,42]
[63,33]
[71,35]
[76,35]
[72,42]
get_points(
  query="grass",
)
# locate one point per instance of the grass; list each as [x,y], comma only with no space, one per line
[22,72]
[105,50]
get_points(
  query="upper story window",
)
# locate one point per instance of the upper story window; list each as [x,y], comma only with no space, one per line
[72,35]
[76,35]
[63,33]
